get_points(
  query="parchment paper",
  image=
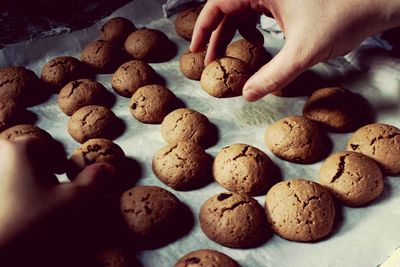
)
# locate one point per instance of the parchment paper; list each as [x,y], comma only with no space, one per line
[363,237]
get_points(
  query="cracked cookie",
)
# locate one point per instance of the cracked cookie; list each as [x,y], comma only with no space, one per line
[232,220]
[92,122]
[185,21]
[181,166]
[9,110]
[77,94]
[206,257]
[185,124]
[297,139]
[102,56]
[25,130]
[300,210]
[132,75]
[147,210]
[243,169]
[151,103]
[192,64]
[225,77]
[381,142]
[61,70]
[254,55]
[116,29]
[351,177]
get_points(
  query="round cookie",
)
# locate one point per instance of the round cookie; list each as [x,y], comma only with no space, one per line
[381,142]
[61,70]
[297,139]
[185,124]
[192,64]
[102,56]
[225,77]
[116,30]
[84,92]
[351,177]
[111,258]
[21,130]
[9,110]
[254,55]
[147,210]
[92,122]
[151,103]
[206,257]
[300,210]
[243,169]
[181,166]
[232,220]
[337,109]
[132,75]
[185,21]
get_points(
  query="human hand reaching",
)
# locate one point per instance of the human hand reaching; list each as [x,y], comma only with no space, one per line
[314,31]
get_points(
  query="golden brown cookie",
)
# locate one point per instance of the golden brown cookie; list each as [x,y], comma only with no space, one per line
[111,258]
[254,55]
[61,70]
[297,139]
[192,64]
[9,111]
[232,220]
[79,93]
[380,142]
[243,169]
[225,77]
[132,75]
[181,166]
[300,210]
[116,29]
[151,103]
[21,130]
[147,210]
[206,258]
[102,56]
[92,122]
[185,124]
[185,21]
[351,177]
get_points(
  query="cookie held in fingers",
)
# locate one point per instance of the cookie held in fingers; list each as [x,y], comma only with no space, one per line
[185,21]
[102,56]
[117,30]
[192,64]
[300,210]
[206,257]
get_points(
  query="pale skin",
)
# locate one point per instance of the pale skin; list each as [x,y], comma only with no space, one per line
[314,30]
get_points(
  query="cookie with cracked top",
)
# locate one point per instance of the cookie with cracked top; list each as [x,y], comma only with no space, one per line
[206,257]
[351,177]
[181,166]
[116,30]
[297,139]
[92,122]
[232,220]
[300,210]
[192,64]
[102,56]
[225,77]
[185,21]
[9,111]
[254,55]
[381,142]
[243,169]
[22,130]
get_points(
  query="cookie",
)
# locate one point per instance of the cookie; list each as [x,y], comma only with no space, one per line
[151,103]
[254,55]
[132,75]
[181,166]
[300,210]
[185,124]
[351,177]
[206,257]
[232,220]
[92,122]
[24,130]
[116,30]
[243,169]
[79,93]
[297,139]
[61,70]
[9,111]
[147,210]
[381,142]
[337,109]
[185,21]
[102,56]
[192,64]
[111,258]
[97,150]
[225,77]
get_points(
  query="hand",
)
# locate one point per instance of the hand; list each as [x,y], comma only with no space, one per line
[314,30]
